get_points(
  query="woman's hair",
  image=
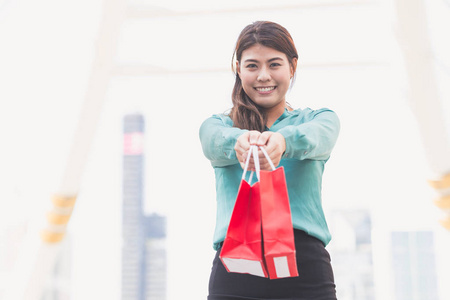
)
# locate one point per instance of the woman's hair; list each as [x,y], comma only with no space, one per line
[245,113]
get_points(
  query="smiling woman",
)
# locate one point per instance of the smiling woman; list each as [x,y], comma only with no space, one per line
[266,58]
[265,74]
[299,140]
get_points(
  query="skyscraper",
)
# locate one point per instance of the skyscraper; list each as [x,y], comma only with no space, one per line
[155,258]
[143,247]
[351,252]
[414,265]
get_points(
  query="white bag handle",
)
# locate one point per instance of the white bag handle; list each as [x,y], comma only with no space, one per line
[254,150]
[256,159]
[268,158]
[246,165]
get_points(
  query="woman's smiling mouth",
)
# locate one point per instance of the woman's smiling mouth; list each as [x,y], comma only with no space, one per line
[265,89]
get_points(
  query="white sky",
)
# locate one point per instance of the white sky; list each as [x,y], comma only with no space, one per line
[46,52]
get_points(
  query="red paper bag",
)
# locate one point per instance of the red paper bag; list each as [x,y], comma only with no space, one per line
[278,232]
[242,248]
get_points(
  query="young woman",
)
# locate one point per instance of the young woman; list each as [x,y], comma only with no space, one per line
[301,140]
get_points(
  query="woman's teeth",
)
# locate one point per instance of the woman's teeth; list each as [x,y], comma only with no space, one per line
[265,89]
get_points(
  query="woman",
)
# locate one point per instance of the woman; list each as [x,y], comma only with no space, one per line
[300,140]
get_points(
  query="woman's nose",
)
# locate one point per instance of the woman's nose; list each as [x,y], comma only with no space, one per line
[264,75]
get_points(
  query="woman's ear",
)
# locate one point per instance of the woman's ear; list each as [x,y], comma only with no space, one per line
[293,66]
[238,68]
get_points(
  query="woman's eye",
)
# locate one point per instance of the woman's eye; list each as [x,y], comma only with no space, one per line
[250,66]
[275,65]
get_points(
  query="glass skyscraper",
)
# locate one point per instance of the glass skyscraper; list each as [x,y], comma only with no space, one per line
[351,252]
[143,247]
[414,265]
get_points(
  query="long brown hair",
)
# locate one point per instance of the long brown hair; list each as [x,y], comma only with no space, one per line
[245,113]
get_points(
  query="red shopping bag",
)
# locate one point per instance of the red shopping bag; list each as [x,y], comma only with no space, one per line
[242,248]
[277,229]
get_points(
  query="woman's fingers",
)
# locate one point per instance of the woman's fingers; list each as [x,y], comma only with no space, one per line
[275,146]
[243,144]
[254,137]
[273,142]
[264,138]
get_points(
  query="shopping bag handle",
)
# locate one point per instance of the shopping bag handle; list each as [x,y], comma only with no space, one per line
[268,158]
[256,160]
[246,165]
[254,150]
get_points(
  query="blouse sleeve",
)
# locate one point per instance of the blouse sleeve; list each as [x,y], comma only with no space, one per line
[315,138]
[218,139]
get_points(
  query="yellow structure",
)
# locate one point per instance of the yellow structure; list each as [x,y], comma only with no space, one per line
[57,218]
[442,186]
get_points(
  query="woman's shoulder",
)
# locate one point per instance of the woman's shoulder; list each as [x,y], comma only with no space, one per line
[303,115]
[222,117]
[309,112]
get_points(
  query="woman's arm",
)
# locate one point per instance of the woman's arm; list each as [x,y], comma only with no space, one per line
[313,139]
[218,140]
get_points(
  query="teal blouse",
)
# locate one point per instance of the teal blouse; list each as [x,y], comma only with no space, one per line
[310,136]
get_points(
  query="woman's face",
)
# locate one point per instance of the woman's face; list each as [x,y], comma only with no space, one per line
[265,74]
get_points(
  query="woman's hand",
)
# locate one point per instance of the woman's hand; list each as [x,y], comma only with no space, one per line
[274,144]
[242,147]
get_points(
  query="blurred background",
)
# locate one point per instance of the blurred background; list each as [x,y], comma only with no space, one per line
[100,106]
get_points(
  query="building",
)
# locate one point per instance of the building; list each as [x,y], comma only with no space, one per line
[351,253]
[414,265]
[143,247]
[155,258]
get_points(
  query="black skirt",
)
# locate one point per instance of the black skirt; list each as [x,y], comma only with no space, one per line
[315,280]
